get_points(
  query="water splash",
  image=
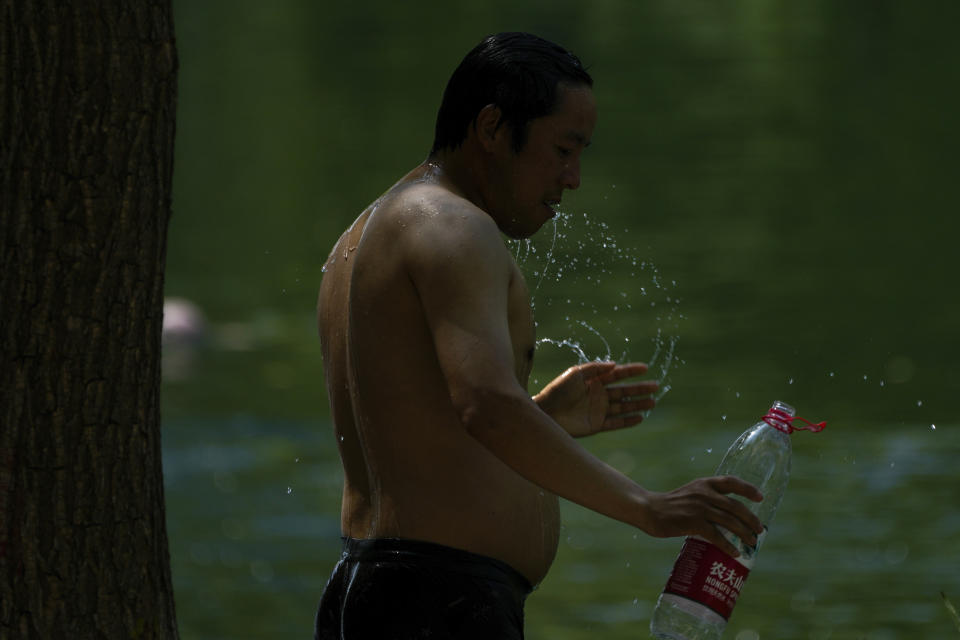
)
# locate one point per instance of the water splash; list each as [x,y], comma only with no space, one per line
[550,259]
[607,355]
[566,265]
[576,347]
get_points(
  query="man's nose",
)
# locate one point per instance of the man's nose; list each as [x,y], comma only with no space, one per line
[571,175]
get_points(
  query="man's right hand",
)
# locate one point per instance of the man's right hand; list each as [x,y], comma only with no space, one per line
[700,507]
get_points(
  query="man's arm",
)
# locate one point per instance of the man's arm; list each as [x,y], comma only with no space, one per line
[461,270]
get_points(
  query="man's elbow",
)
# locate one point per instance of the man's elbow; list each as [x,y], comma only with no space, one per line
[486,412]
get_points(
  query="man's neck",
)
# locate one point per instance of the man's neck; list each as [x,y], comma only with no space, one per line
[460,172]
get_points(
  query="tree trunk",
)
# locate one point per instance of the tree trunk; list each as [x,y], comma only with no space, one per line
[87,108]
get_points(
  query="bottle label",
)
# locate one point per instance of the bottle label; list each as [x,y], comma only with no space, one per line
[705,574]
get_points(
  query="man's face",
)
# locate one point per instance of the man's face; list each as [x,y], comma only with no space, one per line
[531,182]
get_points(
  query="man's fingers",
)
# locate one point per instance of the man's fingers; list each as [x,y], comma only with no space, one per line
[622,371]
[742,525]
[703,507]
[620,408]
[618,391]
[621,422]
[630,369]
[739,519]
[733,484]
[594,368]
[713,535]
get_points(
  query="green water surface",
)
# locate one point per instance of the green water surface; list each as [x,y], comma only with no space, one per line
[768,211]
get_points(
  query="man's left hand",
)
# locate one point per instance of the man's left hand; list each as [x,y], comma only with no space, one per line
[585,399]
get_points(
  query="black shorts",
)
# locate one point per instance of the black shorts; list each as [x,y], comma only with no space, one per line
[390,589]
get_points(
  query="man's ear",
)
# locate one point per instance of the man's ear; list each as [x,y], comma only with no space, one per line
[488,126]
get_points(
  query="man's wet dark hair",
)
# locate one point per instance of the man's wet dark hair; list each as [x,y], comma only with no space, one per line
[518,72]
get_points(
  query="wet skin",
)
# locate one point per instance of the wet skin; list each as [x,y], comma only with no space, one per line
[427,337]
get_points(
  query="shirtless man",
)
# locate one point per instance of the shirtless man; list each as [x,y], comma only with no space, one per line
[452,470]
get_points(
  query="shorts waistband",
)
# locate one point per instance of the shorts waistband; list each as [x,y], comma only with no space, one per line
[402,549]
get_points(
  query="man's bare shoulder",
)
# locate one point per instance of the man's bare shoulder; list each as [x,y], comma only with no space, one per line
[432,203]
[434,219]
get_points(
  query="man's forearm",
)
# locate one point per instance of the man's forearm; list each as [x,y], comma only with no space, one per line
[525,438]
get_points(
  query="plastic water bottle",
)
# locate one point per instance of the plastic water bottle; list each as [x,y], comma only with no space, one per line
[705,583]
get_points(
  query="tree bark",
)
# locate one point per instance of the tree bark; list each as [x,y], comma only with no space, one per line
[87,109]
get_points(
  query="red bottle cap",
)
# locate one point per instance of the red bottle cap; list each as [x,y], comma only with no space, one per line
[779,419]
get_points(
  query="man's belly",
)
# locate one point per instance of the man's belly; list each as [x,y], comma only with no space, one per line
[474,502]
[532,564]
[527,541]
[522,530]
